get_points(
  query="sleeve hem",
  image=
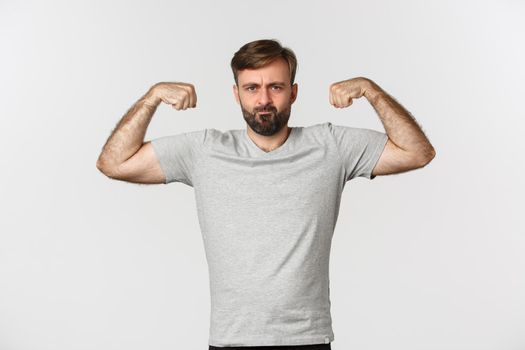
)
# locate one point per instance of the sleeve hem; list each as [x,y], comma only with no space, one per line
[159,160]
[377,154]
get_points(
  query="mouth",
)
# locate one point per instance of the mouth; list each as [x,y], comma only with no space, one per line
[265,117]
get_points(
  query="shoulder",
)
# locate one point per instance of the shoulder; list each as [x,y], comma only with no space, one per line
[329,127]
[318,129]
[214,136]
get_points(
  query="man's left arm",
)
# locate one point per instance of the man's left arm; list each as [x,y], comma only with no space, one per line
[407,147]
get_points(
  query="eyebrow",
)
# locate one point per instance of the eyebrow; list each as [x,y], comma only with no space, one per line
[272,84]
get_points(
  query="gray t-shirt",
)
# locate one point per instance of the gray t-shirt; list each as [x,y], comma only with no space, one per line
[267,221]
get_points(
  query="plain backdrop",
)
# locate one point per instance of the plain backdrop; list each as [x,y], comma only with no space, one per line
[425,260]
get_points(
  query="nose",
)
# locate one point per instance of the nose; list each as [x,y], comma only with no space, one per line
[264,97]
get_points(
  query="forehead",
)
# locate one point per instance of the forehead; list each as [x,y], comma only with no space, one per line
[276,70]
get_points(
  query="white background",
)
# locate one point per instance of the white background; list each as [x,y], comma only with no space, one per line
[429,259]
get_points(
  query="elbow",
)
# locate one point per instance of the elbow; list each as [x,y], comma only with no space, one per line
[427,156]
[101,166]
[105,169]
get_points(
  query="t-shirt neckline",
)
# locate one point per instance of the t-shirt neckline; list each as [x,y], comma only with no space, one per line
[279,149]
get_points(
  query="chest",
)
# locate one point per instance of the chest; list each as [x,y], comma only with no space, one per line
[297,184]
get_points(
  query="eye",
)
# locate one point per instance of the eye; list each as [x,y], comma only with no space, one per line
[250,88]
[277,87]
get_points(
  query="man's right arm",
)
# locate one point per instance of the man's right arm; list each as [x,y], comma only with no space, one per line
[125,156]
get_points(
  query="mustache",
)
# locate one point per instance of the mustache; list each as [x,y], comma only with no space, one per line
[265,109]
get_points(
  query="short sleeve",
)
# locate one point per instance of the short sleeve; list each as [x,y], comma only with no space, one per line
[177,155]
[359,149]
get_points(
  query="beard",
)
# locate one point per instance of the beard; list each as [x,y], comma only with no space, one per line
[267,124]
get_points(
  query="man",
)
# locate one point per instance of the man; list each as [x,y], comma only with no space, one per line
[267,196]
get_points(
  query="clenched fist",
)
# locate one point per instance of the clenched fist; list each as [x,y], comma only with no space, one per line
[342,93]
[178,95]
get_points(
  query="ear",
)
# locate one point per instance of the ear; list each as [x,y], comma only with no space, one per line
[293,95]
[236,93]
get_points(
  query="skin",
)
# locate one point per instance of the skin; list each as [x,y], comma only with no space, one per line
[126,156]
[266,89]
[407,147]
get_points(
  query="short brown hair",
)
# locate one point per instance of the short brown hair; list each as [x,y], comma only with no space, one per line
[259,53]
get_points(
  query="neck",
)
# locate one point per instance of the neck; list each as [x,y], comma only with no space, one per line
[269,143]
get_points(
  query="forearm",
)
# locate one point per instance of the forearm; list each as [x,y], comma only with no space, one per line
[401,128]
[128,136]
